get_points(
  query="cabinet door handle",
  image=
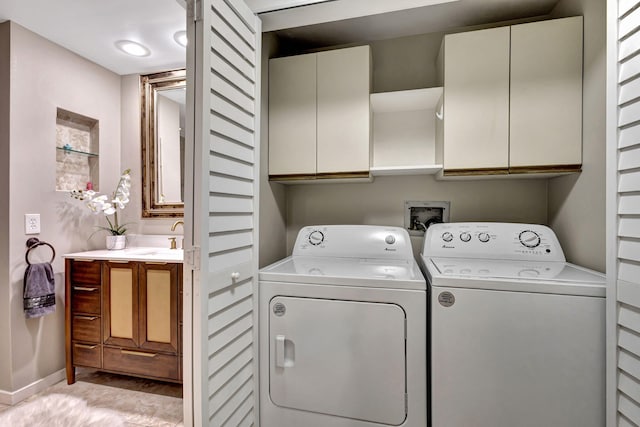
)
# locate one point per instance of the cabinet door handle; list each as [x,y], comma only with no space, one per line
[82,288]
[86,317]
[137,353]
[88,347]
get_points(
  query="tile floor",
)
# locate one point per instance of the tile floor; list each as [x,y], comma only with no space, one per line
[140,402]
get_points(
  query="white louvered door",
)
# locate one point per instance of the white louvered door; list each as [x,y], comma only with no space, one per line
[224,70]
[623,215]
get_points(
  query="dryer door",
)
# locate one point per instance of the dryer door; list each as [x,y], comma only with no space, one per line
[340,358]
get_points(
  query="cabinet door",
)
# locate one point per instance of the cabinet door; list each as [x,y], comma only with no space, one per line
[344,86]
[292,115]
[120,298]
[159,307]
[476,101]
[546,93]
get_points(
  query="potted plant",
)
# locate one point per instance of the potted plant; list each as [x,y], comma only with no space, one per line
[101,203]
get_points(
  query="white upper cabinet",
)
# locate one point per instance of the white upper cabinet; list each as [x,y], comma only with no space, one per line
[292,115]
[476,100]
[546,94]
[513,99]
[319,115]
[344,85]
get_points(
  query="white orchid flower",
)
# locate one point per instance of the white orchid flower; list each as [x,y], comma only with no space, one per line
[100,203]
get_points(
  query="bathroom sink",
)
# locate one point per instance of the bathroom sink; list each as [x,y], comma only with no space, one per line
[152,253]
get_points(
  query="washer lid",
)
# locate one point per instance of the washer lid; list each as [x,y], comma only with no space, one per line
[394,274]
[523,276]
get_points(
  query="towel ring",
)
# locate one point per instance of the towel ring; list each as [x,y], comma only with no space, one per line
[33,243]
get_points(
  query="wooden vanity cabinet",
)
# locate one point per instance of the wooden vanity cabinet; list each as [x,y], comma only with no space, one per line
[83,313]
[137,325]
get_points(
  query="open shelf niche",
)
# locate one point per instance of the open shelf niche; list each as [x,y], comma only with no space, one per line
[404,132]
[77,148]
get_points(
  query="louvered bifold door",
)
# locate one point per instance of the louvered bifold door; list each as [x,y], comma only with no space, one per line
[627,218]
[224,209]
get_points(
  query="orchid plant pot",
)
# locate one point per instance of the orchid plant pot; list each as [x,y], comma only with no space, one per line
[116,242]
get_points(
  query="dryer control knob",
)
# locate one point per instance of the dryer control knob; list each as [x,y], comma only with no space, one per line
[484,237]
[316,237]
[390,239]
[465,237]
[447,237]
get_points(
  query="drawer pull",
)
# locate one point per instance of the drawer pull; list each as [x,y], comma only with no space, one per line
[117,261]
[82,260]
[155,263]
[82,288]
[138,353]
[86,317]
[88,347]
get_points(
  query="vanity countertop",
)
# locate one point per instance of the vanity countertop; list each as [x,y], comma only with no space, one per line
[137,253]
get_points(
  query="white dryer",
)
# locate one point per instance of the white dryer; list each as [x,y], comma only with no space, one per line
[517,334]
[343,331]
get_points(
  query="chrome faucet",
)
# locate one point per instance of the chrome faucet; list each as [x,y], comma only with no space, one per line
[173,228]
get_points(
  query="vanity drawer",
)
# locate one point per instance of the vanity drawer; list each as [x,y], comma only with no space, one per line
[86,328]
[144,363]
[89,355]
[85,299]
[86,272]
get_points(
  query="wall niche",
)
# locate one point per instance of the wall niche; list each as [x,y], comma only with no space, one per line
[77,148]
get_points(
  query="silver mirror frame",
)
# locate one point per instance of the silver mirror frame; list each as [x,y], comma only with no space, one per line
[151,207]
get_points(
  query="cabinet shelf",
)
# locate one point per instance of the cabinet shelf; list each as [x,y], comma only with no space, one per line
[71,150]
[405,170]
[404,129]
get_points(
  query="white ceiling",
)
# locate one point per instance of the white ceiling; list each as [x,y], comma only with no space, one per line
[91,27]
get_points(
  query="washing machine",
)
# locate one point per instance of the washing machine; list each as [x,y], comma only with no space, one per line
[343,331]
[517,334]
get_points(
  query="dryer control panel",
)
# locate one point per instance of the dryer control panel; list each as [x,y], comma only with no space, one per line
[354,241]
[492,240]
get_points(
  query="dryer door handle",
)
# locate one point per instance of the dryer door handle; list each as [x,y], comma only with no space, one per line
[280,340]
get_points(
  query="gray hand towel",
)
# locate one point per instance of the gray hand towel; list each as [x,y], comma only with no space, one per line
[39,290]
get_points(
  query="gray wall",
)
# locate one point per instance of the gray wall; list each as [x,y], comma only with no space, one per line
[45,76]
[577,202]
[272,195]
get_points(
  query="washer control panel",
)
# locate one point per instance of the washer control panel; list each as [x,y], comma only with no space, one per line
[360,241]
[492,240]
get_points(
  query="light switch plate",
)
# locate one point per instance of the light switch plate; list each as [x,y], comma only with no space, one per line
[31,223]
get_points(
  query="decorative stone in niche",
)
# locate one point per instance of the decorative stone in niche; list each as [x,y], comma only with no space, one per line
[77,148]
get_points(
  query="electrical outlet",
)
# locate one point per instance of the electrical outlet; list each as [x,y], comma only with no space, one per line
[31,223]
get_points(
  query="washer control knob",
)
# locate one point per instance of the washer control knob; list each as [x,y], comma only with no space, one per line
[484,237]
[529,239]
[316,237]
[465,237]
[447,237]
[390,239]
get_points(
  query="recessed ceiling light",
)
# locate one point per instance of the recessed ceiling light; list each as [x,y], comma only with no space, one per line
[181,38]
[132,48]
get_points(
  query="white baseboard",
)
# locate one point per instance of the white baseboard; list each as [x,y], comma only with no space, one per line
[12,398]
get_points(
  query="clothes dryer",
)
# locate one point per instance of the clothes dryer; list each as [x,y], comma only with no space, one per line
[517,334]
[343,331]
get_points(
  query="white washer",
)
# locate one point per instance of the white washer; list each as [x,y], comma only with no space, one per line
[517,334]
[343,331]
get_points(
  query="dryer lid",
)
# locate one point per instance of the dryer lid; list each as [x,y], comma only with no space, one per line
[367,272]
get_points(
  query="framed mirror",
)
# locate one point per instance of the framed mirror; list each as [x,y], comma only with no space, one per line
[163,117]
